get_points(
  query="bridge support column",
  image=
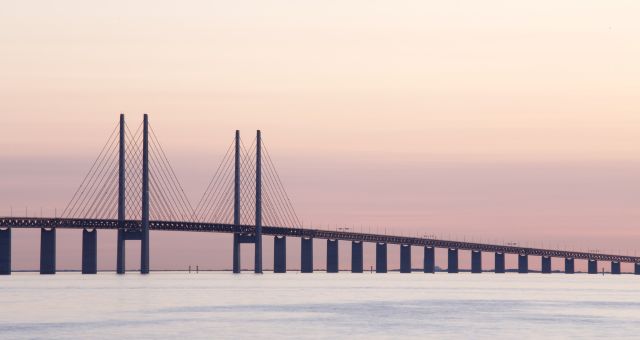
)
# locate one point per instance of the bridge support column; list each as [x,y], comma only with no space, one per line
[279,254]
[236,253]
[144,235]
[452,260]
[258,242]
[5,251]
[569,267]
[429,260]
[120,259]
[636,269]
[546,265]
[593,266]
[499,263]
[306,261]
[381,257]
[236,206]
[332,256]
[356,257]
[89,251]
[47,251]
[615,267]
[523,263]
[476,261]
[405,258]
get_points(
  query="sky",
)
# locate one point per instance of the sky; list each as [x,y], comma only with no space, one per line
[494,121]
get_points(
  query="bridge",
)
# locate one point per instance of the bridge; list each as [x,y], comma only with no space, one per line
[132,188]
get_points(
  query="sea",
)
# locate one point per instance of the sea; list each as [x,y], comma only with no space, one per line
[221,305]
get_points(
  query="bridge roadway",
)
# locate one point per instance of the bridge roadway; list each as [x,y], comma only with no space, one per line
[130,225]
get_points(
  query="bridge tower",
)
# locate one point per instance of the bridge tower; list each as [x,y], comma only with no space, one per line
[236,205]
[258,235]
[143,233]
[121,198]
[144,237]
[256,238]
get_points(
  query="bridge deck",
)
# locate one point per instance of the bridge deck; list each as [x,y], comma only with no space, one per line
[17,222]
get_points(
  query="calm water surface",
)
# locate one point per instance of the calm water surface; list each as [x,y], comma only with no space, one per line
[223,305]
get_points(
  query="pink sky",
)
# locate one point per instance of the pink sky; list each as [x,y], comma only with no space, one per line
[489,121]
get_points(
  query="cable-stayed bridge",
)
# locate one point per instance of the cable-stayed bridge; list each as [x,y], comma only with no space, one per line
[131,187]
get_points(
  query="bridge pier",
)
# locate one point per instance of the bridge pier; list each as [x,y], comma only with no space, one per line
[144,234]
[615,267]
[47,251]
[593,266]
[476,261]
[499,263]
[405,258]
[636,268]
[89,251]
[120,261]
[523,263]
[429,260]
[236,253]
[120,251]
[332,256]
[279,254]
[356,257]
[381,257]
[258,209]
[452,260]
[546,265]
[569,266]
[306,261]
[5,251]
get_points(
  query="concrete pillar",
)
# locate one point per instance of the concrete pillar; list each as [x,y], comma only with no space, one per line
[357,257]
[523,263]
[569,266]
[120,260]
[236,253]
[499,263]
[381,257]
[615,267]
[89,251]
[546,265]
[637,269]
[144,238]
[452,260]
[429,260]
[236,206]
[306,261]
[47,251]
[258,241]
[332,256]
[405,258]
[279,254]
[5,251]
[593,266]
[476,261]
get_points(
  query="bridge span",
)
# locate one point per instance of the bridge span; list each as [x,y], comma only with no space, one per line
[248,232]
[132,188]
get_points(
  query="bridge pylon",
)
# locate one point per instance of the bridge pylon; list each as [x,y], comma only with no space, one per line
[256,236]
[141,234]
